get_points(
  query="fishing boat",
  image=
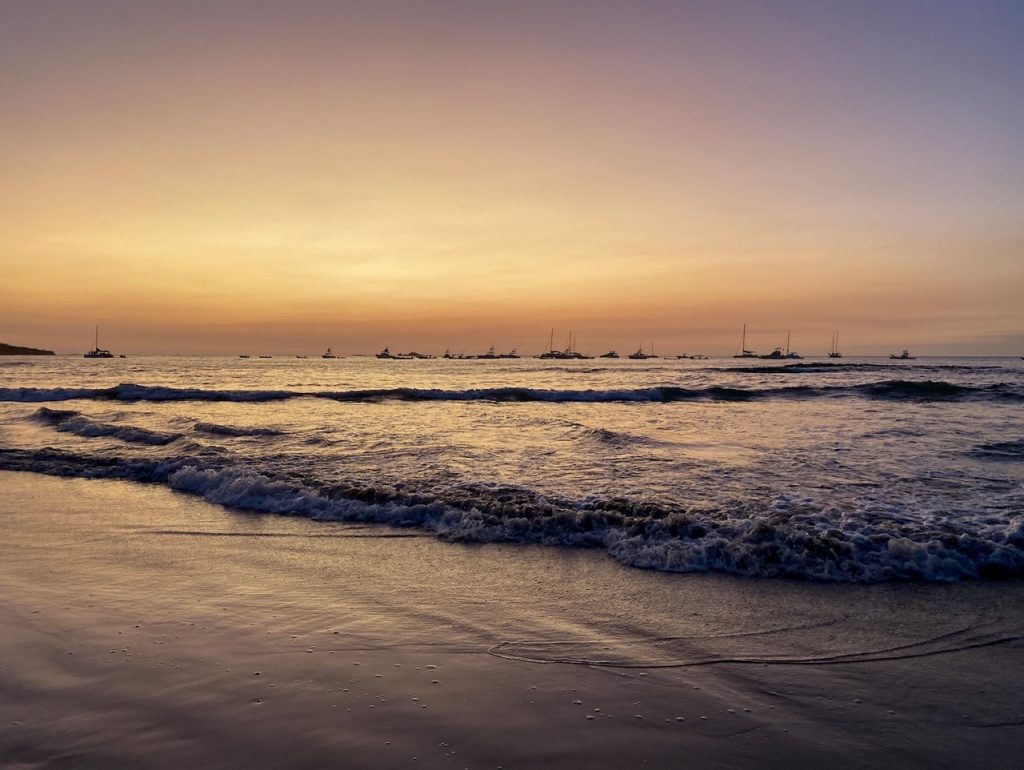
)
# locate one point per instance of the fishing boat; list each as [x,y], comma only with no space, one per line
[641,356]
[266,356]
[329,354]
[489,355]
[244,356]
[97,351]
[833,351]
[781,352]
[744,353]
[610,354]
[904,356]
[388,355]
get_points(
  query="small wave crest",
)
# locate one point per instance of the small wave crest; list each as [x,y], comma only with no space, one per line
[213,428]
[70,421]
[815,367]
[932,390]
[1001,450]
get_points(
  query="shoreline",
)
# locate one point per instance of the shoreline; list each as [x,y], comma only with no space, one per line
[140,626]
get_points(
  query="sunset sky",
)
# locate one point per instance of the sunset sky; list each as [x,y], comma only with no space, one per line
[273,177]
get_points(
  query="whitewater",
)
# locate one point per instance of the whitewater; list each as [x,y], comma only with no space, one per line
[859,470]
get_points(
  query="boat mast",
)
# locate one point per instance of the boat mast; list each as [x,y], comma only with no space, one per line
[97,345]
[743,344]
[787,341]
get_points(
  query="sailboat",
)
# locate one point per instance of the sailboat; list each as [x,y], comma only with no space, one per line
[569,354]
[97,351]
[833,352]
[551,352]
[791,353]
[744,353]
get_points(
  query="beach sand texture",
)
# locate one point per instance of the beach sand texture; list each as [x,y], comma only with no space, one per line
[142,628]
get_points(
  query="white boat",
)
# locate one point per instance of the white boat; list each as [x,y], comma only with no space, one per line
[641,356]
[328,354]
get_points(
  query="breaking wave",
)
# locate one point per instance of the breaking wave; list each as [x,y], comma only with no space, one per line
[69,421]
[774,539]
[924,390]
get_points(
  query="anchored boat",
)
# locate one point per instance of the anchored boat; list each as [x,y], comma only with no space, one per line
[97,351]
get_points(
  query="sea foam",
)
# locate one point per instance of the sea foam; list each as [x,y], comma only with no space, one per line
[778,539]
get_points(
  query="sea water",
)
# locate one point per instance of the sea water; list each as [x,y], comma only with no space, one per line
[846,470]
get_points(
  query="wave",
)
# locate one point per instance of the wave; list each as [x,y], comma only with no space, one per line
[1001,450]
[924,390]
[613,438]
[775,539]
[69,421]
[608,437]
[228,430]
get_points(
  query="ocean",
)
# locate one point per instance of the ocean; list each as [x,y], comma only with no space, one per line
[850,470]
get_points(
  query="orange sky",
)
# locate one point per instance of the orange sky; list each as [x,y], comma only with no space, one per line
[259,179]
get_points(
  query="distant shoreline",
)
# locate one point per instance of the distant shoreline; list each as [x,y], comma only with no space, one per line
[15,350]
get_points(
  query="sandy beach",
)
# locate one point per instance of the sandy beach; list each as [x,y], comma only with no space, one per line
[144,628]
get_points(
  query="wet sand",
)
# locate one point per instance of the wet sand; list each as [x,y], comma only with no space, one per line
[142,628]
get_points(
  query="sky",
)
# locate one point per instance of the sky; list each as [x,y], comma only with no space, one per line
[279,177]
